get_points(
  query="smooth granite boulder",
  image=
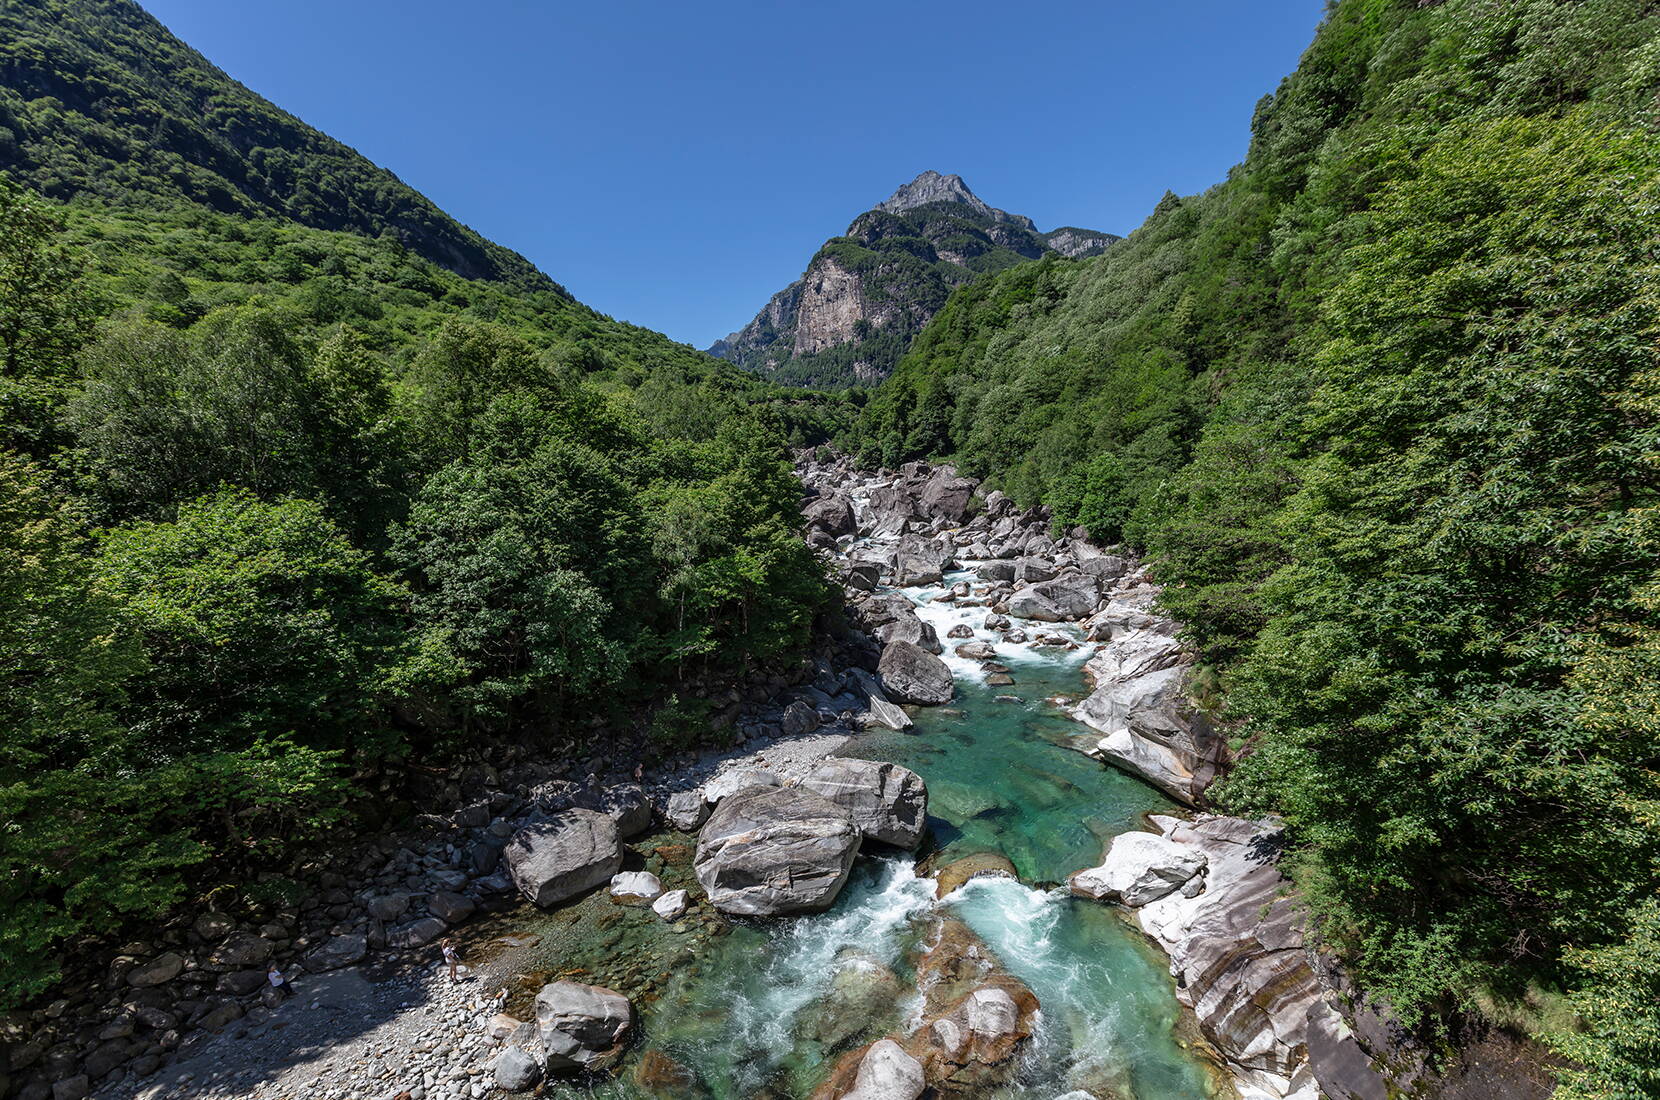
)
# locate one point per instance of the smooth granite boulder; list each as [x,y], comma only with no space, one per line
[566,855]
[771,850]
[910,674]
[580,1025]
[1142,867]
[889,803]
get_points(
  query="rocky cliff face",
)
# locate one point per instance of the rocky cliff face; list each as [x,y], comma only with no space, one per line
[851,316]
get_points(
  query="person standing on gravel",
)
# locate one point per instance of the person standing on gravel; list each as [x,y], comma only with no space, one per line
[451,957]
[278,980]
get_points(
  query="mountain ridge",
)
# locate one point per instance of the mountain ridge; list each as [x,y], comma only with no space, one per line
[864,294]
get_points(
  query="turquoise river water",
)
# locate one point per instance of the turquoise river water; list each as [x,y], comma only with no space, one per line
[761,1010]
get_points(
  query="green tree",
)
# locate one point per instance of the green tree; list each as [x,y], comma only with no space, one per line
[46,316]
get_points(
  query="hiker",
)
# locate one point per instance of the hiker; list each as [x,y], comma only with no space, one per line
[451,957]
[278,981]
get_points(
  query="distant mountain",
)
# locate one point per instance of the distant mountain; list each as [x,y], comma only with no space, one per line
[850,317]
[98,98]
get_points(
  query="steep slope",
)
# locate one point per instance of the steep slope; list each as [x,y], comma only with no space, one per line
[99,99]
[866,293]
[1381,409]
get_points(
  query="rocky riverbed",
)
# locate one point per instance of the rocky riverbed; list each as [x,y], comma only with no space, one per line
[944,588]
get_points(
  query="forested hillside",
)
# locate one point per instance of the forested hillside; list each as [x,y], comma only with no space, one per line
[1382,408]
[288,501]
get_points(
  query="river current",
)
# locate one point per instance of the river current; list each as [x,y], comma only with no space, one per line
[762,1009]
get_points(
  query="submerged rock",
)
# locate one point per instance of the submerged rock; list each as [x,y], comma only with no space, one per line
[771,850]
[959,872]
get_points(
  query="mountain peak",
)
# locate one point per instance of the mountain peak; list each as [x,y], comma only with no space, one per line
[929,187]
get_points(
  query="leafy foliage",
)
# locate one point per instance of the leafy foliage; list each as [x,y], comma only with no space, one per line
[1380,408]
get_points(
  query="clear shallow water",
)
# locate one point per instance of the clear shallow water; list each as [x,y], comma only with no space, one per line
[763,1010]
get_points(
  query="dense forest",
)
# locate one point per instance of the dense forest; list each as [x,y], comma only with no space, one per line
[295,493]
[1381,409]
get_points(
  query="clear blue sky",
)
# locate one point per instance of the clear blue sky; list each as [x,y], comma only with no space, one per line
[675,164]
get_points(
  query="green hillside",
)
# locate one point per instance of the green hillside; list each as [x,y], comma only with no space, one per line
[1381,409]
[303,483]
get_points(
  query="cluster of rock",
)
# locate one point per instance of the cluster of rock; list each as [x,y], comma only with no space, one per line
[966,1039]
[1210,893]
[577,1027]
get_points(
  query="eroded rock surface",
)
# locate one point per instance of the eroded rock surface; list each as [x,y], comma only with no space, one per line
[771,850]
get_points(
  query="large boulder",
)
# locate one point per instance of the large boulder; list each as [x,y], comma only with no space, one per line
[566,855]
[946,496]
[581,1025]
[1140,868]
[686,810]
[516,1070]
[911,674]
[733,780]
[771,850]
[336,952]
[159,970]
[907,627]
[832,515]
[1057,601]
[922,561]
[888,803]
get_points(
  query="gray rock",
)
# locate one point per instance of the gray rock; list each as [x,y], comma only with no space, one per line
[240,983]
[946,496]
[996,571]
[833,515]
[909,628]
[241,949]
[886,1072]
[451,908]
[515,1070]
[733,780]
[569,854]
[799,718]
[162,968]
[580,1024]
[672,905]
[772,850]
[1153,731]
[417,933]
[911,674]
[636,884]
[1057,601]
[686,810]
[336,952]
[1032,570]
[922,561]
[880,712]
[72,1088]
[1140,868]
[888,803]
[388,906]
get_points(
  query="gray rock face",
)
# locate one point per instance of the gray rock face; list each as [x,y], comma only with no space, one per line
[733,780]
[882,713]
[772,850]
[580,1024]
[922,561]
[450,907]
[241,949]
[946,496]
[1236,949]
[888,803]
[833,515]
[1141,868]
[909,628]
[911,674]
[388,906]
[161,969]
[568,854]
[799,718]
[417,933]
[1152,730]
